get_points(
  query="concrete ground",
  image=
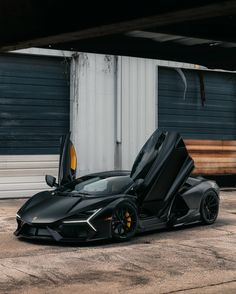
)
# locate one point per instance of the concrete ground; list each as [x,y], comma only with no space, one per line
[197,259]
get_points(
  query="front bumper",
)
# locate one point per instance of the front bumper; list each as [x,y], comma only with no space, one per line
[60,232]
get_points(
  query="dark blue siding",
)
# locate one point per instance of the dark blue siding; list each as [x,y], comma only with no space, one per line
[216,120]
[34,104]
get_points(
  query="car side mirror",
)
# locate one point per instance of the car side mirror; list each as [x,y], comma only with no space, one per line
[50,180]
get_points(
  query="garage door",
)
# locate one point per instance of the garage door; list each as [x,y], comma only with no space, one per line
[216,120]
[34,113]
[34,104]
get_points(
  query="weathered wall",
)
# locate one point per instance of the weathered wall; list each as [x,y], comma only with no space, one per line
[138,91]
[113,102]
[93,87]
[23,176]
[34,113]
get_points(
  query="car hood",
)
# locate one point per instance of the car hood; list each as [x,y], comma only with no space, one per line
[41,210]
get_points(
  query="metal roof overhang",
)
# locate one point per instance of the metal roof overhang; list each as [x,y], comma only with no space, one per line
[202,32]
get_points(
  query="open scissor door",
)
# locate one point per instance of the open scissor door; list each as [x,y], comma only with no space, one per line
[164,165]
[67,162]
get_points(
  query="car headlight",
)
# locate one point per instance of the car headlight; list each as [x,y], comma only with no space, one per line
[86,220]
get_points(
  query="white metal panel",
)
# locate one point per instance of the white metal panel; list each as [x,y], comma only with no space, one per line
[24,175]
[98,91]
[92,111]
[138,89]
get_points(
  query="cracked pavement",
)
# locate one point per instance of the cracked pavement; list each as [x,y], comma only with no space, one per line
[196,259]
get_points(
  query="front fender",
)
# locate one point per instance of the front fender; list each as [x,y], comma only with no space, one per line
[102,220]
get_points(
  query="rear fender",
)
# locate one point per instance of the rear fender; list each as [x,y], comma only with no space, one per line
[193,196]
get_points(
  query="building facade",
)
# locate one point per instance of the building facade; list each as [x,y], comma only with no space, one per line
[117,102]
[111,105]
[34,113]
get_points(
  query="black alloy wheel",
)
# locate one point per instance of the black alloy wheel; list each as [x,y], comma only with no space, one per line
[124,221]
[209,207]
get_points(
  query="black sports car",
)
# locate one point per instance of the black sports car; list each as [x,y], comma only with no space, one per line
[158,192]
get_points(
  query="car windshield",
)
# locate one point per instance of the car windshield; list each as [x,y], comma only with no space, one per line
[107,186]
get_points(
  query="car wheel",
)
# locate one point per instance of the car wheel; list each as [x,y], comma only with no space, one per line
[209,208]
[124,221]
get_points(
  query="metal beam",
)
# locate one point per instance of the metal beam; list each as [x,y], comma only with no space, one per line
[210,56]
[159,20]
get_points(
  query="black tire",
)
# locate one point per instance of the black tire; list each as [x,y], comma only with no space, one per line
[124,221]
[209,207]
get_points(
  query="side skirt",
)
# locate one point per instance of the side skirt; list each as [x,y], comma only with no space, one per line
[150,224]
[193,216]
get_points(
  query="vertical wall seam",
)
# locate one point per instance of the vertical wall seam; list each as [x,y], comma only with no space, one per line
[156,73]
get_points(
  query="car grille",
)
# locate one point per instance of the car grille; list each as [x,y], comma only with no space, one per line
[29,230]
[65,231]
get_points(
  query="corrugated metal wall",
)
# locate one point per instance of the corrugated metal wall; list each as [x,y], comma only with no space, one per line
[114,107]
[216,120]
[113,102]
[34,104]
[209,130]
[112,99]
[24,175]
[34,113]
[92,111]
[138,90]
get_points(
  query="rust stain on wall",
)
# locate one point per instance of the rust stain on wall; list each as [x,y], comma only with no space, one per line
[213,156]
